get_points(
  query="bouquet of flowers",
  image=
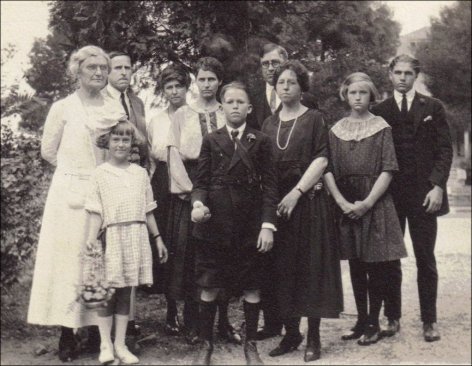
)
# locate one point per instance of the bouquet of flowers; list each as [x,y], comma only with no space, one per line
[94,292]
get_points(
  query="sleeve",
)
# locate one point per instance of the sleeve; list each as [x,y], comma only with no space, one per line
[270,192]
[52,135]
[389,158]
[320,138]
[179,181]
[93,200]
[150,202]
[203,176]
[443,147]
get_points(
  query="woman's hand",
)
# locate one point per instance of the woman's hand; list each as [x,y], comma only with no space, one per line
[286,206]
[161,250]
[265,240]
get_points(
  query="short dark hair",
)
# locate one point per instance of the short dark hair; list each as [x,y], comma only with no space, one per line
[113,54]
[415,64]
[174,72]
[297,67]
[210,64]
[233,85]
[269,47]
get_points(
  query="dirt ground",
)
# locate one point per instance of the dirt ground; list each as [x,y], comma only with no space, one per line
[20,342]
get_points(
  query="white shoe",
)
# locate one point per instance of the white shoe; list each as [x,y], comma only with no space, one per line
[125,356]
[106,355]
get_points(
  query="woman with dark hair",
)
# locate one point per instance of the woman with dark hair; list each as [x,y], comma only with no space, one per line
[190,124]
[174,82]
[307,260]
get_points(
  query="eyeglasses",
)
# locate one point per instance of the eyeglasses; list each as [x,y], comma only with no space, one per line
[274,63]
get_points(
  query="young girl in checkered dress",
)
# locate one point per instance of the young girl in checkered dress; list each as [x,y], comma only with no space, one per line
[121,201]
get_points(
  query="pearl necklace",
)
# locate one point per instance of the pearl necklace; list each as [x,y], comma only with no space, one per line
[289,135]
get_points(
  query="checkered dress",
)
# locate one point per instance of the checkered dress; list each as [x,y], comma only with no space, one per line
[123,197]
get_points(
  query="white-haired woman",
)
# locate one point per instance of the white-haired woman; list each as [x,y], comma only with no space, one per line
[68,144]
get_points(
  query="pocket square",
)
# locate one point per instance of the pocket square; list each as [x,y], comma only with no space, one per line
[429,118]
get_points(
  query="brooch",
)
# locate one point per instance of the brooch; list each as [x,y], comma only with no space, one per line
[251,137]
[427,119]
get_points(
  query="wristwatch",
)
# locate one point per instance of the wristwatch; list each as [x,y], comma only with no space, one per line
[300,190]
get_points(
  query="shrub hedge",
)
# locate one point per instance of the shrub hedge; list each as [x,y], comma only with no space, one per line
[25,178]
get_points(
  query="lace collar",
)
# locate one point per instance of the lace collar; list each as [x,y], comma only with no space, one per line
[349,129]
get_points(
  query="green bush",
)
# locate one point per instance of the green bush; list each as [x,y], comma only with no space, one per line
[25,178]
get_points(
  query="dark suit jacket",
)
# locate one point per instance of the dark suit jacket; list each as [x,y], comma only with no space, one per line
[433,146]
[261,109]
[241,194]
[136,117]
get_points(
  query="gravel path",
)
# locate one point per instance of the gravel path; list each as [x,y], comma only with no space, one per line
[454,318]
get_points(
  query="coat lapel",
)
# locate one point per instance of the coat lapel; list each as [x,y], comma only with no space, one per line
[416,110]
[224,141]
[243,155]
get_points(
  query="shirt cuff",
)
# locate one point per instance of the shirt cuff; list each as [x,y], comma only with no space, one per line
[268,225]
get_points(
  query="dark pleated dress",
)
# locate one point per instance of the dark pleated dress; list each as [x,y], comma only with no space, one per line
[306,249]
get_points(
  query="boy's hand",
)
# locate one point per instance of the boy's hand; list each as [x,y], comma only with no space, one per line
[161,250]
[265,240]
[200,214]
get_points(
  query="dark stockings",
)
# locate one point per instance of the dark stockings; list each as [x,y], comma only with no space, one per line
[207,320]
[251,314]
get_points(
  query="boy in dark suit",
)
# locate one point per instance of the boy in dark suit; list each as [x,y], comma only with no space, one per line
[234,205]
[424,152]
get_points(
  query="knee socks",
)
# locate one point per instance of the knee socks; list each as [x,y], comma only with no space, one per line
[251,314]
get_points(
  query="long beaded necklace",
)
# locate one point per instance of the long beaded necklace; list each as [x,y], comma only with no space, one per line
[289,134]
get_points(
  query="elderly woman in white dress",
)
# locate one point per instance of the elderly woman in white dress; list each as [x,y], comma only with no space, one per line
[68,143]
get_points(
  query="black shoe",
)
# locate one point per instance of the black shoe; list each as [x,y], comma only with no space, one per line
[288,344]
[266,333]
[173,326]
[251,353]
[191,336]
[431,332]
[68,346]
[393,328]
[312,352]
[204,352]
[228,333]
[356,332]
[371,336]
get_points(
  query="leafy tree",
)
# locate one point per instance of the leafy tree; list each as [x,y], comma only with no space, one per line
[445,58]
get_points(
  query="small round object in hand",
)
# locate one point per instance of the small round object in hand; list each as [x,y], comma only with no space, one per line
[198,214]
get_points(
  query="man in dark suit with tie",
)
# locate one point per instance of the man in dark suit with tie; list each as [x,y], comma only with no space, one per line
[424,153]
[118,88]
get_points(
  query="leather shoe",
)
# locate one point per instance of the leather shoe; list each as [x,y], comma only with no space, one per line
[229,334]
[288,344]
[172,326]
[312,352]
[266,333]
[393,328]
[191,336]
[430,332]
[251,353]
[356,332]
[371,336]
[204,352]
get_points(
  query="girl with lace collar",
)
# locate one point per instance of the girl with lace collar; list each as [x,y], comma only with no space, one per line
[362,161]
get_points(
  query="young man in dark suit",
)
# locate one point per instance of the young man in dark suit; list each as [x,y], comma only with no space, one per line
[234,203]
[424,153]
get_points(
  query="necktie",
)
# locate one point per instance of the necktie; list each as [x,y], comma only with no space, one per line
[123,102]
[272,104]
[234,135]
[404,109]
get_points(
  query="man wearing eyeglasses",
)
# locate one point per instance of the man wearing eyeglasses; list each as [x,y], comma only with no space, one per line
[267,102]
